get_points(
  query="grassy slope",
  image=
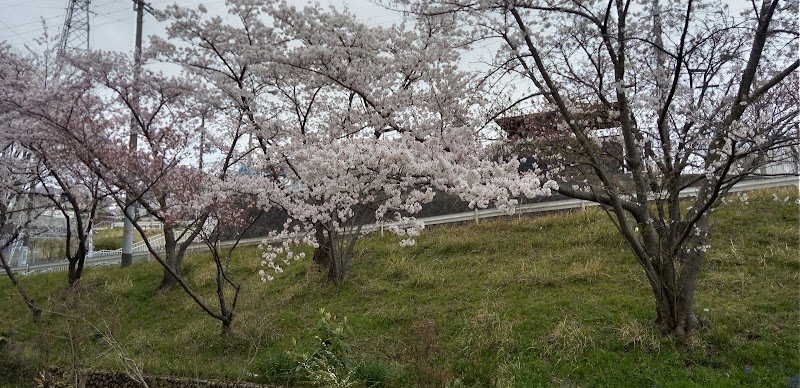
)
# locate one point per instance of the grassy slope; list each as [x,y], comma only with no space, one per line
[555,300]
[112,238]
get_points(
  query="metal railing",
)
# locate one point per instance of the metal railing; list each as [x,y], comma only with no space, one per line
[140,249]
[102,257]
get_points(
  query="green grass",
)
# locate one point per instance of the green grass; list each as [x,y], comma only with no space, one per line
[549,301]
[111,239]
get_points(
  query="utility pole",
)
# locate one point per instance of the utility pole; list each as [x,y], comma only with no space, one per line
[130,210]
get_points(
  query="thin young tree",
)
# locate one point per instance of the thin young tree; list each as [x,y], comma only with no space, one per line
[700,98]
[156,176]
[187,149]
[16,180]
[16,170]
[75,192]
[53,117]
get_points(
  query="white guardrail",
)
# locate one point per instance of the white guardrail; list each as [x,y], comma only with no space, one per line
[141,252]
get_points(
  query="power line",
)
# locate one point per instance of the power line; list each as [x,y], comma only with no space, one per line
[25,5]
[105,3]
[35,21]
[11,29]
[112,21]
[41,29]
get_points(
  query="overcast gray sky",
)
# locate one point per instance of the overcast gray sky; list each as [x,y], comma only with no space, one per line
[112,21]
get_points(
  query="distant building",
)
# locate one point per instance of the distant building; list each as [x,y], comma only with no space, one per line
[546,137]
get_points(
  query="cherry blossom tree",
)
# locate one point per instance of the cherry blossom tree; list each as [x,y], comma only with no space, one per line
[53,119]
[17,167]
[16,179]
[347,119]
[699,96]
[168,175]
[157,176]
[75,192]
[229,218]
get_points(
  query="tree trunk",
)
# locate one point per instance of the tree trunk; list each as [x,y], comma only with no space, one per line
[338,259]
[676,315]
[335,250]
[226,326]
[336,271]
[72,274]
[76,263]
[691,265]
[323,253]
[341,258]
[174,259]
[675,304]
[326,255]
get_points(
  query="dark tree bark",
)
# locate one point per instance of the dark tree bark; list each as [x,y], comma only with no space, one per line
[335,250]
[79,219]
[175,250]
[172,259]
[322,254]
[675,298]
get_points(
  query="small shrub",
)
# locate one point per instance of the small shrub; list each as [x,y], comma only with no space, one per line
[373,373]
[107,242]
[18,362]
[48,379]
[281,368]
[330,361]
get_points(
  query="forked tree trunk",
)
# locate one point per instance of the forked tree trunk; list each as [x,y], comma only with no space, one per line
[676,313]
[337,269]
[73,273]
[342,247]
[335,250]
[175,251]
[327,256]
[337,262]
[676,308]
[227,321]
[76,264]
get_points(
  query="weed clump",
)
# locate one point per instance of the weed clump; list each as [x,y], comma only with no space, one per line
[568,340]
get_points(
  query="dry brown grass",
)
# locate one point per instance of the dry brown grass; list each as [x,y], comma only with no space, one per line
[568,340]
